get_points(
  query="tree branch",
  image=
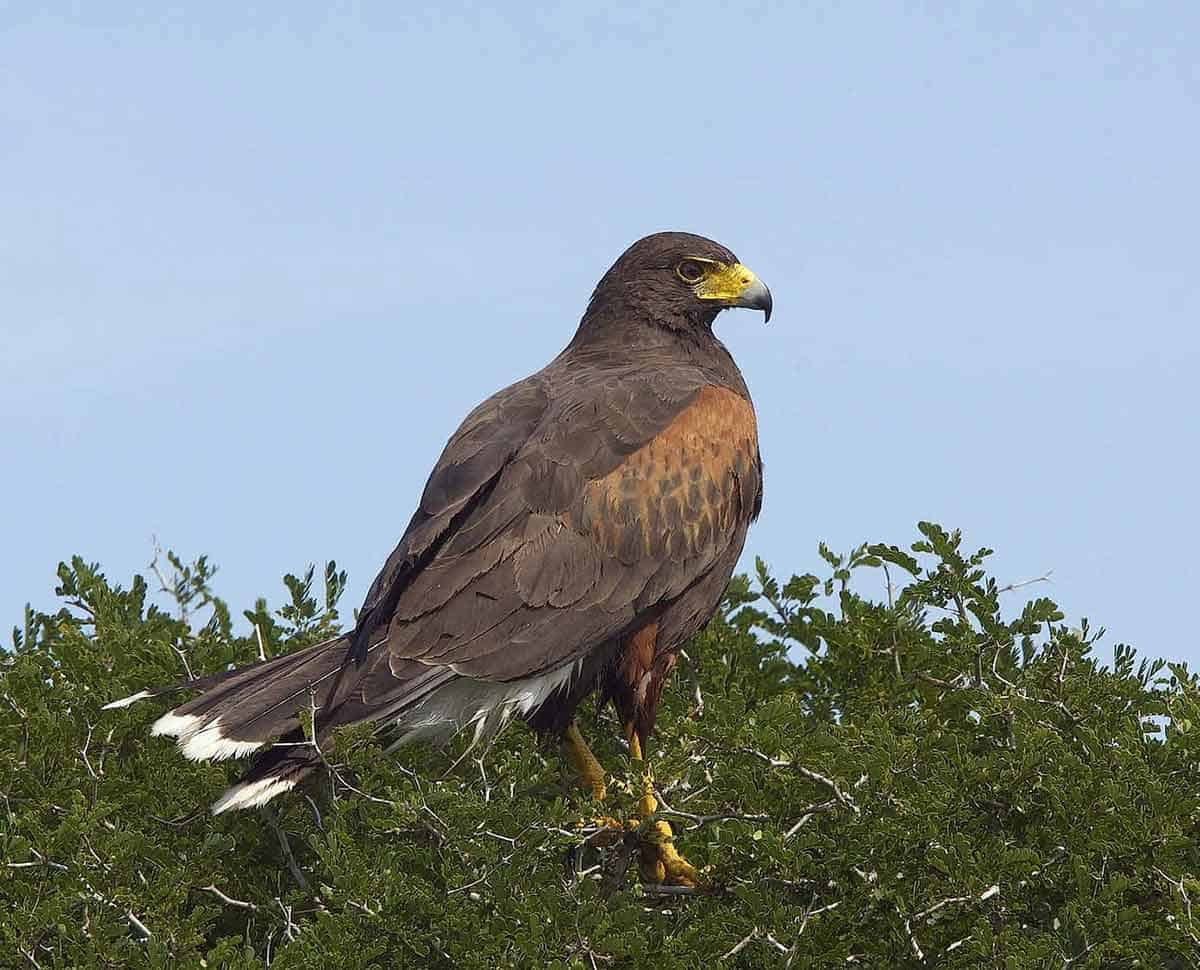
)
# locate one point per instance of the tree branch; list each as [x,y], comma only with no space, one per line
[241,903]
[285,847]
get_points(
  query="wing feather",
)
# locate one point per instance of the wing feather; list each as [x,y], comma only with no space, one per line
[615,497]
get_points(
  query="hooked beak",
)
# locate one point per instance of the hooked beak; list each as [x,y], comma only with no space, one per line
[756,296]
[735,285]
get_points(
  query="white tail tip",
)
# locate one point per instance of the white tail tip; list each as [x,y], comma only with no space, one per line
[126,701]
[175,725]
[249,794]
[202,741]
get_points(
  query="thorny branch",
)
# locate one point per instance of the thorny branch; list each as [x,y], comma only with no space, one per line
[740,945]
[1044,578]
[285,846]
[664,889]
[770,940]
[699,820]
[941,904]
[83,752]
[887,575]
[335,776]
[954,900]
[972,639]
[229,900]
[809,913]
[843,799]
[140,930]
[184,616]
[1067,961]
[809,813]
[1178,886]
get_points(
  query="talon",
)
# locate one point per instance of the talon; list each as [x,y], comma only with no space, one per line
[599,822]
[647,805]
[608,832]
[659,862]
[658,859]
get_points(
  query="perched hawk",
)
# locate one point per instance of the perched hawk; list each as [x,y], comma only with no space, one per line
[578,528]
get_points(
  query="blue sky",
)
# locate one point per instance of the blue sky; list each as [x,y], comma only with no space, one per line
[255,267]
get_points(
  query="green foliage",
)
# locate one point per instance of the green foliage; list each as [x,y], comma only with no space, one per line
[938,776]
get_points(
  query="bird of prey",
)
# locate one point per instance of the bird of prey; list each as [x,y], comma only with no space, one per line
[579,526]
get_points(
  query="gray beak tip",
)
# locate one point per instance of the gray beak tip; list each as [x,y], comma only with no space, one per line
[757,297]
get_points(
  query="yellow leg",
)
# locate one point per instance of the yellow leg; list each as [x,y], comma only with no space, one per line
[577,752]
[635,742]
[658,859]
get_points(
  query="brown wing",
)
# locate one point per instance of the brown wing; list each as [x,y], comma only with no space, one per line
[458,487]
[625,491]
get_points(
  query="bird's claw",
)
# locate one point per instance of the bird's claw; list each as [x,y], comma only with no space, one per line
[660,863]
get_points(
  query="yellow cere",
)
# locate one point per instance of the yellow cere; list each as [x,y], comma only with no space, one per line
[724,282]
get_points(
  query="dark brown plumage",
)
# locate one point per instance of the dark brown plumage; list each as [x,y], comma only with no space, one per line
[579,526]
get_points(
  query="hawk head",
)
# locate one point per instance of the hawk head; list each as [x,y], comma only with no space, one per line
[678,280]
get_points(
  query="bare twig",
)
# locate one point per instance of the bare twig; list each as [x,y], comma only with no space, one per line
[775,943]
[941,904]
[473,883]
[809,813]
[241,903]
[809,912]
[815,776]
[84,753]
[285,847]
[182,820]
[661,889]
[841,796]
[335,777]
[699,820]
[958,683]
[290,929]
[139,928]
[104,751]
[912,941]
[315,811]
[1067,961]
[487,788]
[42,861]
[740,945]
[892,610]
[1044,578]
[971,637]
[172,591]
[1179,886]
[999,676]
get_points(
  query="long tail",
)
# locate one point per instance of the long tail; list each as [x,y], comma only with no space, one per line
[243,711]
[257,709]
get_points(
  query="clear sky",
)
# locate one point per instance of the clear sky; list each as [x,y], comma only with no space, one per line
[256,266]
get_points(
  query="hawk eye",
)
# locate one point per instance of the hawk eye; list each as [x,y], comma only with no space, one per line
[690,271]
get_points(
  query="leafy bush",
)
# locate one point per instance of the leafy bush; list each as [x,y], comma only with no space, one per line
[934,779]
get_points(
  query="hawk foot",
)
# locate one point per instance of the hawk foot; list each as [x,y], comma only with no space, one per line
[659,862]
[652,839]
